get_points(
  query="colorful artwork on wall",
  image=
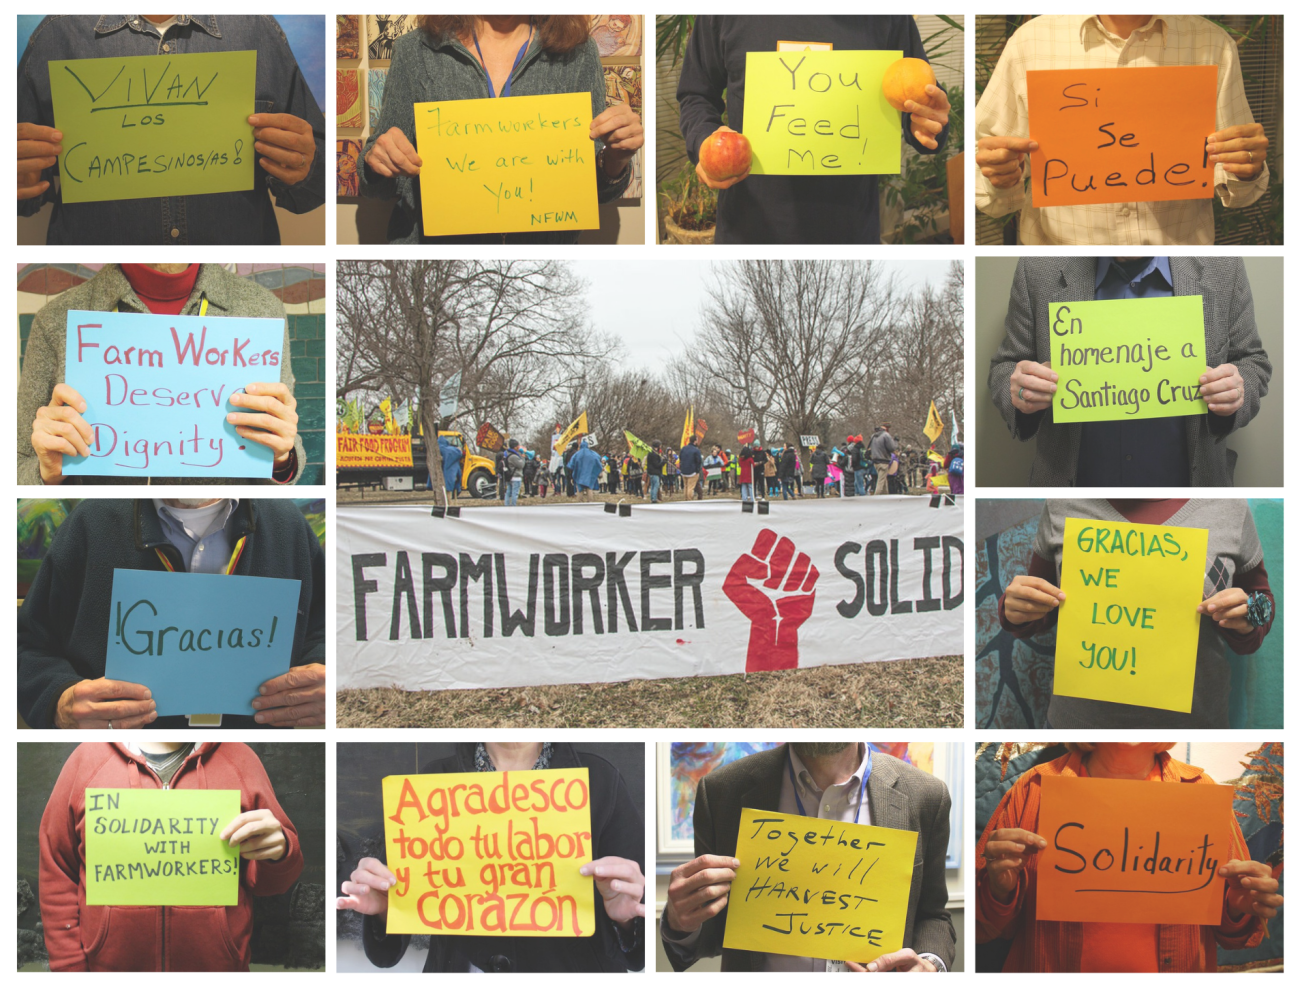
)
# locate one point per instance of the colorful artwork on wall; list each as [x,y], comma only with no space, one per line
[384,29]
[349,99]
[349,183]
[375,79]
[347,36]
[618,36]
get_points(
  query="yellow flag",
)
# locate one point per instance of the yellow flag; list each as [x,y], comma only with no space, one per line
[688,428]
[386,408]
[933,425]
[578,427]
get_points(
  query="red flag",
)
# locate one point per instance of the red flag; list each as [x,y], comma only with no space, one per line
[746,437]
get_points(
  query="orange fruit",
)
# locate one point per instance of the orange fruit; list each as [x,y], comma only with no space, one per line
[906,80]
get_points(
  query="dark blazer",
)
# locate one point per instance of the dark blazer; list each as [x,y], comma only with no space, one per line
[901,796]
[1230,336]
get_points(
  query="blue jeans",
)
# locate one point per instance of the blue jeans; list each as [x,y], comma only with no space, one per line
[654,488]
[747,492]
[512,492]
[787,488]
[859,482]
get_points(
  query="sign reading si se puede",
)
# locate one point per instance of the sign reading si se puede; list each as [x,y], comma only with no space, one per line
[1128,630]
[1121,135]
[202,643]
[372,451]
[154,125]
[1128,359]
[157,389]
[1125,851]
[490,853]
[160,848]
[824,889]
[507,164]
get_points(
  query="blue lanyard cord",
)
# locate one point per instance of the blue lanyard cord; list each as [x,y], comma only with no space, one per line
[505,92]
[866,774]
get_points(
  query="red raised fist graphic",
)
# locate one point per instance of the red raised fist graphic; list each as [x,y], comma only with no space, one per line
[777,601]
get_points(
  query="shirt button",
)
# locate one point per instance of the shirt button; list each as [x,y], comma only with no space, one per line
[827,807]
[167,48]
[176,232]
[1128,458]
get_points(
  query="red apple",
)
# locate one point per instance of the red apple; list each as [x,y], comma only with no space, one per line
[725,155]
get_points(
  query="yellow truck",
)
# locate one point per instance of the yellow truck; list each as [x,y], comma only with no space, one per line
[478,474]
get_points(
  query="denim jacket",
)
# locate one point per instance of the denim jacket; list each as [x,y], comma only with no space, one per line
[245,217]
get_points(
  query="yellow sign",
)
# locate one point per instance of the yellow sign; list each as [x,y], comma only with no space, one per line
[933,424]
[507,164]
[490,853]
[1128,630]
[824,889]
[373,451]
[578,427]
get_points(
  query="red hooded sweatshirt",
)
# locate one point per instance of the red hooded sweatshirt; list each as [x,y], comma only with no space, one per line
[148,939]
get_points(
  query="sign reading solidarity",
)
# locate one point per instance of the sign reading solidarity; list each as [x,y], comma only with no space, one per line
[823,889]
[821,114]
[1128,359]
[160,848]
[154,125]
[1121,135]
[507,164]
[1128,629]
[373,451]
[490,853]
[1123,851]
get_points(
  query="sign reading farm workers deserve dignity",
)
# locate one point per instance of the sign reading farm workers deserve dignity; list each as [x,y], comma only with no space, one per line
[1128,629]
[154,125]
[821,114]
[824,889]
[490,853]
[1121,135]
[507,164]
[157,389]
[373,451]
[160,848]
[202,643]
[518,597]
[1127,359]
[1124,851]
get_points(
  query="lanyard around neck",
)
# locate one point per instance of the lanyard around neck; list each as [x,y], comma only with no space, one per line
[203,307]
[505,90]
[866,774]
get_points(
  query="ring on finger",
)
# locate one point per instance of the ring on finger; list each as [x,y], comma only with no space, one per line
[1022,393]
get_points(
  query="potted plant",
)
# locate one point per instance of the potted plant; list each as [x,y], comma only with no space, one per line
[690,208]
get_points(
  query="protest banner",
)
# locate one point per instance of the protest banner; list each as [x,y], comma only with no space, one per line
[1128,629]
[507,164]
[490,853]
[568,593]
[203,643]
[810,440]
[373,451]
[821,114]
[818,888]
[160,848]
[1121,135]
[157,389]
[1123,851]
[489,438]
[1127,359]
[154,125]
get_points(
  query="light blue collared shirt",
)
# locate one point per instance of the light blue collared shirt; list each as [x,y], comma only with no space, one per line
[207,552]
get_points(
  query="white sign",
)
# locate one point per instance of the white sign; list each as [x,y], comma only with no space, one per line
[810,440]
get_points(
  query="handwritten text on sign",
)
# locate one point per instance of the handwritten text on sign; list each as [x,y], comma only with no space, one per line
[1125,851]
[202,643]
[373,451]
[821,114]
[824,889]
[1128,629]
[1127,359]
[154,125]
[490,853]
[507,164]
[160,848]
[1121,135]
[157,391]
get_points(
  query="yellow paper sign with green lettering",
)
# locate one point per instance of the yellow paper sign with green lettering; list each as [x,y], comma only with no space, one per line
[490,853]
[821,114]
[160,848]
[1128,630]
[154,125]
[1127,359]
[820,888]
[507,164]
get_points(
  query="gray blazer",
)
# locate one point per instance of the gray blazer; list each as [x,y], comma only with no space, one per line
[901,796]
[1230,336]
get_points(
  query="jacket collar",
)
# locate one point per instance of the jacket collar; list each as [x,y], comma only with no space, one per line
[563,756]
[149,532]
[454,47]
[108,23]
[1171,770]
[112,290]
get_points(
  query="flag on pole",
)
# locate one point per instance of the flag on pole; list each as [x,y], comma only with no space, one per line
[449,396]
[386,408]
[688,428]
[954,426]
[636,446]
[933,425]
[578,427]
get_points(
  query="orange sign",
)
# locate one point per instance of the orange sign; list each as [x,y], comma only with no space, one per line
[1121,135]
[1123,851]
[373,451]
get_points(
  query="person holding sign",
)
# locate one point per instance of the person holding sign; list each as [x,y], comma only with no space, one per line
[1100,422]
[1011,849]
[83,934]
[1006,150]
[275,111]
[835,781]
[471,57]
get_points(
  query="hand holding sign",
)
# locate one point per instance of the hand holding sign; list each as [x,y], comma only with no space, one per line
[619,127]
[366,890]
[1252,890]
[293,700]
[1240,149]
[392,154]
[903,960]
[698,891]
[101,703]
[1033,384]
[59,430]
[273,421]
[1006,853]
[256,835]
[1002,160]
[1223,389]
[38,149]
[621,885]
[286,144]
[1228,609]
[1030,597]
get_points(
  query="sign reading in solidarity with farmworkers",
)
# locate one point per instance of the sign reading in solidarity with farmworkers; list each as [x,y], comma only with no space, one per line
[160,848]
[490,853]
[1121,135]
[821,114]
[584,596]
[157,389]
[203,643]
[1123,851]
[154,125]
[818,888]
[373,451]
[507,164]
[1127,359]
[1128,629]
